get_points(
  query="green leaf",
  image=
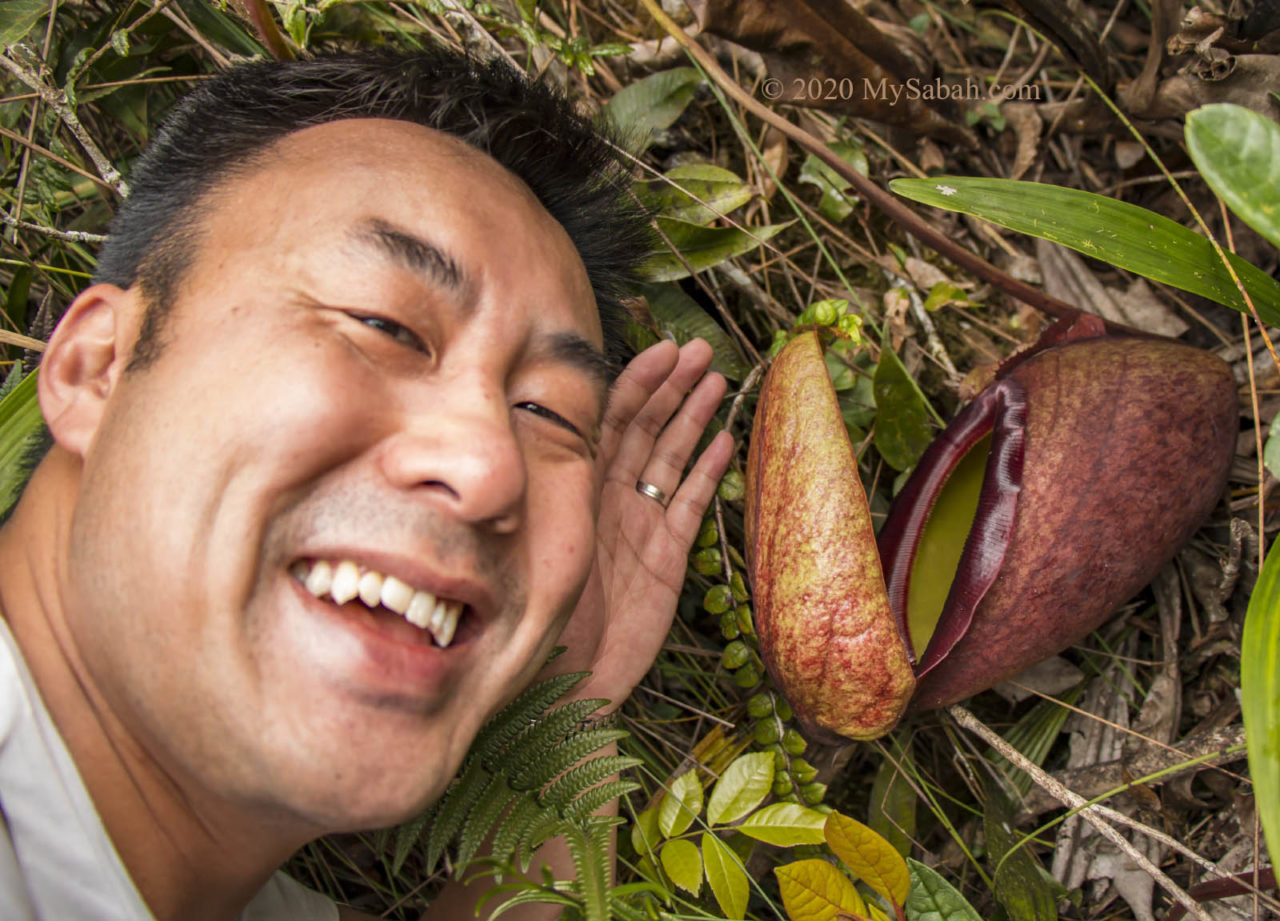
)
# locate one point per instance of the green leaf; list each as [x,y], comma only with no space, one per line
[871,858]
[1238,153]
[20,419]
[1260,696]
[682,861]
[741,788]
[785,825]
[932,898]
[653,104]
[814,890]
[837,200]
[1125,235]
[728,880]
[678,315]
[701,247]
[17,17]
[902,413]
[681,805]
[1019,886]
[645,834]
[698,193]
[1271,451]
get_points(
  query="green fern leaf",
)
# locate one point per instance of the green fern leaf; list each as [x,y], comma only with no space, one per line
[591,865]
[490,805]
[520,716]
[562,757]
[589,802]
[408,835]
[583,777]
[462,795]
[544,737]
[547,826]
[526,813]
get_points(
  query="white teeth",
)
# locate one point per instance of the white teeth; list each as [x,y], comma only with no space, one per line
[370,589]
[320,579]
[346,582]
[448,622]
[420,608]
[396,595]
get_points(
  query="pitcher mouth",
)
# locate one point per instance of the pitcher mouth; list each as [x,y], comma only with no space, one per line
[995,422]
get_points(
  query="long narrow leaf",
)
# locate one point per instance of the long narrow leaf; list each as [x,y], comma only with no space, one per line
[19,420]
[1125,235]
[1260,697]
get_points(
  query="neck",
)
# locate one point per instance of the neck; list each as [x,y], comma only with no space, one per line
[191,854]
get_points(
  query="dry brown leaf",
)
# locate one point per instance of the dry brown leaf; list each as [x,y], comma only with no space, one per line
[826,54]
[896,304]
[775,149]
[1067,276]
[1027,126]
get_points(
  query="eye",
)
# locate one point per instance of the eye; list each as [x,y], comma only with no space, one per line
[391,328]
[539,410]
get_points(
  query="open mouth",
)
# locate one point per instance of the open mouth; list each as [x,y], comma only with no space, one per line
[350,585]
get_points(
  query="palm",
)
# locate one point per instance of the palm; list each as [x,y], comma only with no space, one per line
[649,434]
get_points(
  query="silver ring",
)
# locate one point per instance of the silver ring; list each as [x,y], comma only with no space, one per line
[653,492]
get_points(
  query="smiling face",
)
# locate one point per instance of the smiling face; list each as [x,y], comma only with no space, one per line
[384,362]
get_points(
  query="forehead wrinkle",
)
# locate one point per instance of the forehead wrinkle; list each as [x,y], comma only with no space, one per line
[411,252]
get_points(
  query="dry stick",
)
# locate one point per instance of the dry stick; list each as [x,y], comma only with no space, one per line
[24,169]
[869,190]
[1091,814]
[61,161]
[26,342]
[73,236]
[93,58]
[57,100]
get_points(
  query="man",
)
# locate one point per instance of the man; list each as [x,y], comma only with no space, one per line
[332,433]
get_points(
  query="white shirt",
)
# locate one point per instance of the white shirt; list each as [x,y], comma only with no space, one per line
[57,862]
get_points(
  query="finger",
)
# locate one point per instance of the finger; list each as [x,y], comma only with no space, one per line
[635,385]
[637,440]
[689,504]
[676,444]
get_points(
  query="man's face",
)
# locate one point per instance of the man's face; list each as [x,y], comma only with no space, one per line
[381,357]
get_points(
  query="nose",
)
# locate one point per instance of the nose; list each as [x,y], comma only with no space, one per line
[460,451]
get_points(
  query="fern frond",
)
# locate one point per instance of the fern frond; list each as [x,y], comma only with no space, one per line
[592,800]
[560,758]
[591,865]
[493,803]
[526,813]
[461,796]
[581,778]
[520,716]
[550,731]
[539,894]
[408,835]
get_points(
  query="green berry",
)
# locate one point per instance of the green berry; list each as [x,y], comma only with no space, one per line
[729,625]
[708,536]
[746,623]
[735,655]
[738,587]
[781,785]
[747,677]
[707,561]
[792,742]
[760,705]
[824,312]
[719,598]
[784,711]
[802,770]
[766,732]
[732,487]
[812,793]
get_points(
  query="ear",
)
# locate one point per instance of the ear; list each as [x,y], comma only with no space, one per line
[82,362]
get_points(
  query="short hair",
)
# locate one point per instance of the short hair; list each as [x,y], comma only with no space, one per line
[573,168]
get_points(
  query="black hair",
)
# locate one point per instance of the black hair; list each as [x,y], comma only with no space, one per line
[221,128]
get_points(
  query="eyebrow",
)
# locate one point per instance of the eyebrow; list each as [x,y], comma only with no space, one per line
[574,350]
[412,252]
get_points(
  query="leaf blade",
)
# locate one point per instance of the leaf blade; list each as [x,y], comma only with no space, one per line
[932,898]
[681,805]
[871,858]
[728,880]
[1237,152]
[814,890]
[785,825]
[742,787]
[1260,696]
[682,862]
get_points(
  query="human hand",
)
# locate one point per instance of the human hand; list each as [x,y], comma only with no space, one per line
[658,409]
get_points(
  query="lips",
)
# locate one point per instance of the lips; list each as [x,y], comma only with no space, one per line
[343,581]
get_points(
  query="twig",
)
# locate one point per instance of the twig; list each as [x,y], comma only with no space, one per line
[1090,813]
[61,161]
[20,196]
[868,189]
[56,99]
[72,236]
[18,339]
